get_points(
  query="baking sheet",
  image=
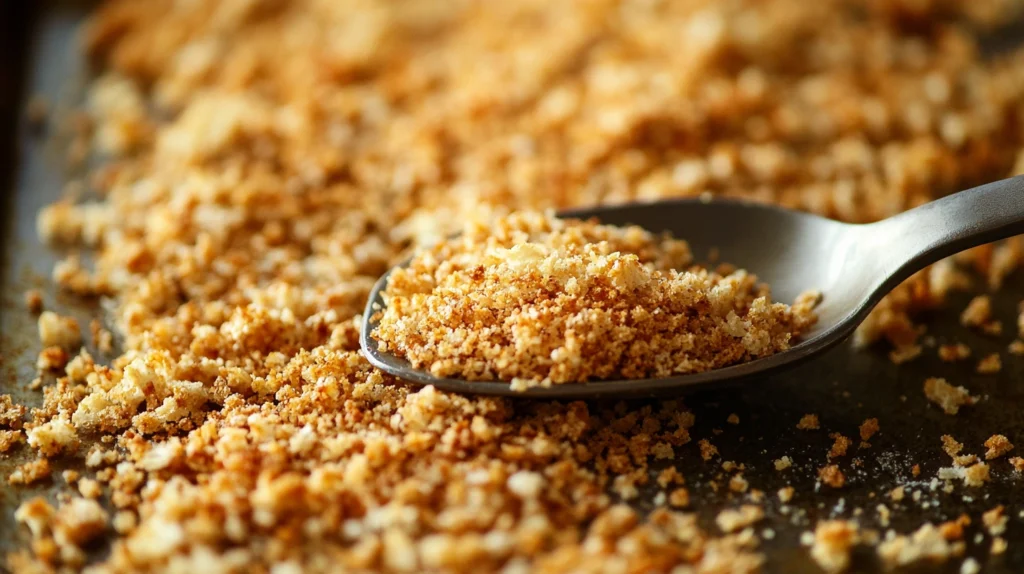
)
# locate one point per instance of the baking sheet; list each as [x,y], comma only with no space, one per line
[843,388]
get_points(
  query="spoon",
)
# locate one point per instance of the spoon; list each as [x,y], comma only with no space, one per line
[852,265]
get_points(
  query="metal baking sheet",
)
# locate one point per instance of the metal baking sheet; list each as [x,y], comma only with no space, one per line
[844,388]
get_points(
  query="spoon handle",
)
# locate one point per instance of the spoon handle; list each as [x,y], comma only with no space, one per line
[921,236]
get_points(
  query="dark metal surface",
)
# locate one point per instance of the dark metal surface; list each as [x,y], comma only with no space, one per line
[853,266]
[843,387]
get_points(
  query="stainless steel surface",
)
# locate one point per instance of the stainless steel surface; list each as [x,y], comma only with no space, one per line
[853,266]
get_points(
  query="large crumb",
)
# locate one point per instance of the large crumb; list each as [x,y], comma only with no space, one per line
[830,475]
[978,312]
[731,520]
[948,397]
[997,446]
[926,544]
[538,300]
[808,422]
[833,540]
[262,163]
[990,365]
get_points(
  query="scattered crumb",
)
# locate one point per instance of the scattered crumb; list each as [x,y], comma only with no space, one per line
[868,429]
[954,352]
[783,463]
[679,498]
[786,494]
[926,544]
[1016,347]
[999,545]
[897,493]
[34,301]
[1018,463]
[707,450]
[59,331]
[995,520]
[808,422]
[733,519]
[991,364]
[948,397]
[977,312]
[733,419]
[833,540]
[905,354]
[997,446]
[30,472]
[840,446]
[832,476]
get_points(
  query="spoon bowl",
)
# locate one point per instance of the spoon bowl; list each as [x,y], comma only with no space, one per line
[852,265]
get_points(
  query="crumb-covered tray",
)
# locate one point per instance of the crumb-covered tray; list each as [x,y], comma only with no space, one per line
[843,389]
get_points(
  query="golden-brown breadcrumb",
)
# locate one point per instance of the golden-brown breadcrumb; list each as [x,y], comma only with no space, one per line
[538,301]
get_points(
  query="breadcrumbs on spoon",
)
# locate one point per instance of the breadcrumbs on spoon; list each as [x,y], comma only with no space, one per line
[537,300]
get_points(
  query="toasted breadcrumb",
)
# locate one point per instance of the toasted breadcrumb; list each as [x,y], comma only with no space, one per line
[840,446]
[997,446]
[786,494]
[833,541]
[808,422]
[999,545]
[1017,463]
[1016,347]
[34,301]
[783,463]
[830,475]
[905,354]
[897,494]
[539,301]
[868,429]
[269,160]
[707,450]
[58,331]
[995,520]
[990,365]
[733,419]
[679,498]
[30,472]
[978,312]
[926,544]
[954,352]
[733,519]
[948,397]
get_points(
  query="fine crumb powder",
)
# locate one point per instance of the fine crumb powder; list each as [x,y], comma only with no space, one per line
[538,301]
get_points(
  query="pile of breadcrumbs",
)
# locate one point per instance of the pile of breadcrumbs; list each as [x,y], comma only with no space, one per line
[537,300]
[262,162]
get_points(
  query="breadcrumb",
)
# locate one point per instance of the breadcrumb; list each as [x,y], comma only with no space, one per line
[948,397]
[990,365]
[808,422]
[997,446]
[538,300]
[977,312]
[830,475]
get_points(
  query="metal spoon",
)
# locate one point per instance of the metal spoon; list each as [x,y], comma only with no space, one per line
[853,266]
